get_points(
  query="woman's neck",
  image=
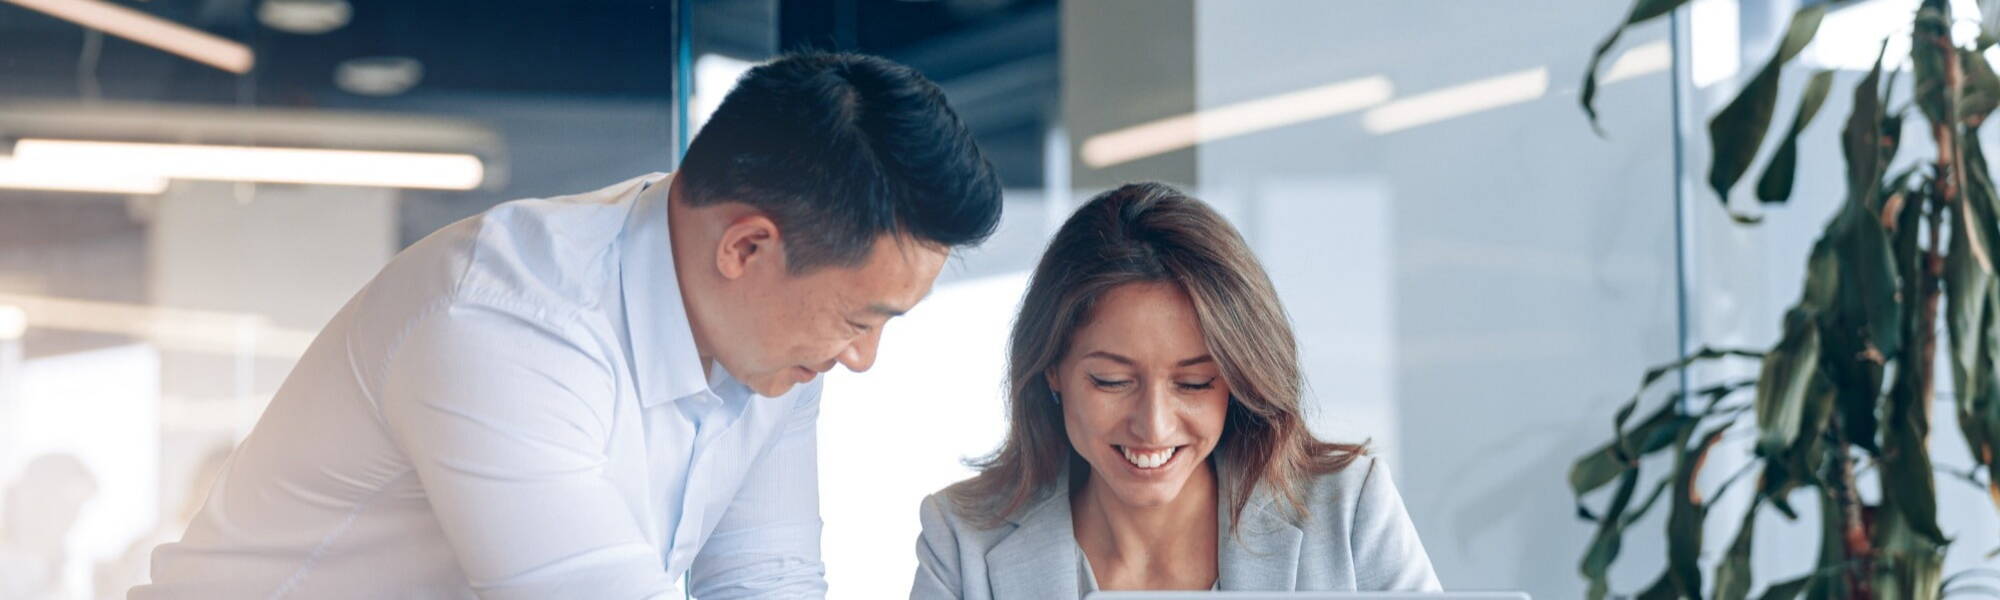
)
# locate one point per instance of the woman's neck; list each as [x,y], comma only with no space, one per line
[1170,546]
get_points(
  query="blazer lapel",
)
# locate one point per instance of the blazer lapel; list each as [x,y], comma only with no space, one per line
[1037,560]
[1263,553]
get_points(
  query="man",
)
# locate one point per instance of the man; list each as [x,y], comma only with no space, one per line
[594,396]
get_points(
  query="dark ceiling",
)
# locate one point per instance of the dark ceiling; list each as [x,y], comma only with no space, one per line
[526,67]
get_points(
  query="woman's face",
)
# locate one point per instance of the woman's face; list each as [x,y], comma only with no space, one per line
[1142,400]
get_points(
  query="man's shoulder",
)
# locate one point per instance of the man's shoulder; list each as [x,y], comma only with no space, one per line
[536,251]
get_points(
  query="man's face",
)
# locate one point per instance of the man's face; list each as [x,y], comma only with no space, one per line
[788,329]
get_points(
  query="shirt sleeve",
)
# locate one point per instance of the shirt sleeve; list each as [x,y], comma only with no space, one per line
[504,417]
[767,543]
[1387,554]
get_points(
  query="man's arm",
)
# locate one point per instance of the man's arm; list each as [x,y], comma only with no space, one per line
[504,419]
[767,544]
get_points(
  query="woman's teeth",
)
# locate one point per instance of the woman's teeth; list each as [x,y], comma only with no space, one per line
[1148,460]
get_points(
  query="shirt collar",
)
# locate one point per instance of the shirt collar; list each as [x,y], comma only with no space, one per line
[664,359]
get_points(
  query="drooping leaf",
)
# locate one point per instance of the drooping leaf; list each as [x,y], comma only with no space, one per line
[1732,576]
[1652,497]
[1909,489]
[1982,202]
[1785,590]
[1642,11]
[1972,314]
[1775,186]
[1930,45]
[1861,138]
[1600,466]
[1606,463]
[1869,270]
[1781,389]
[1738,131]
[1610,533]
[1661,589]
[1907,561]
[1967,284]
[1685,514]
[1982,88]
[1799,466]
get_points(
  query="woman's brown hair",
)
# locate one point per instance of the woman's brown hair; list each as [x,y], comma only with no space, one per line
[1149,232]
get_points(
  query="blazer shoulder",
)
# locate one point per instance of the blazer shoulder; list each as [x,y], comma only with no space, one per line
[1333,499]
[956,508]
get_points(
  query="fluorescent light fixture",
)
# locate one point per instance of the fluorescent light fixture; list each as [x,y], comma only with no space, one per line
[1457,101]
[13,322]
[194,44]
[73,177]
[1643,59]
[264,165]
[179,329]
[1182,131]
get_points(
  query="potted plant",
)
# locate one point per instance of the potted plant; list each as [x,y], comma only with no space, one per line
[1848,387]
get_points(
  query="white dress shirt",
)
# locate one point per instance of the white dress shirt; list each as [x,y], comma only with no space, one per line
[514,408]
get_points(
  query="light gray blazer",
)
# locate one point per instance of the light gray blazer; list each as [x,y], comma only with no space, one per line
[1356,537]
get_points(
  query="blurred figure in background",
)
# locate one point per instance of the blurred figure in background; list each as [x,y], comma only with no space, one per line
[36,515]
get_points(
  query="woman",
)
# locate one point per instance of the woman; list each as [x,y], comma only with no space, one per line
[1156,440]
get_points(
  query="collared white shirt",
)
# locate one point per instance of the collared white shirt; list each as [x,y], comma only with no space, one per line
[514,408]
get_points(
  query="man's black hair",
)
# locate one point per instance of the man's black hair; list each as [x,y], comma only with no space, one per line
[840,149]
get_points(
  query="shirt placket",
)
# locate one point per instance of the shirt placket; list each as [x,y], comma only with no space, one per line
[694,506]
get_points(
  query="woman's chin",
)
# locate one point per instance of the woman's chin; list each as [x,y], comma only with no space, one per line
[1147,492]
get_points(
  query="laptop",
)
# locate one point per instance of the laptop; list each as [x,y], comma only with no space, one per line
[1187,595]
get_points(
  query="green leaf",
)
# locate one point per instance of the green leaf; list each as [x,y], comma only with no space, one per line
[1972,314]
[1786,590]
[1642,11]
[1967,283]
[1781,389]
[1982,88]
[1732,576]
[1600,466]
[1606,463]
[1909,489]
[1685,514]
[1908,562]
[1775,186]
[1826,582]
[1869,269]
[1661,589]
[1738,131]
[1610,533]
[1981,200]
[1861,139]
[1652,497]
[1930,43]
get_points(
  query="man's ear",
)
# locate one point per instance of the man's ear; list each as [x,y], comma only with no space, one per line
[749,242]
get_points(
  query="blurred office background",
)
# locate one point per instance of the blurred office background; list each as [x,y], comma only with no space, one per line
[1477,278]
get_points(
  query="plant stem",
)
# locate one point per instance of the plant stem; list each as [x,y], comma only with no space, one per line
[1854,530]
